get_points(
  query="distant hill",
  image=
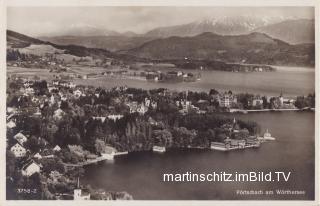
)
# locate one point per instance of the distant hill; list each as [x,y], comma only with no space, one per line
[291,31]
[16,40]
[111,43]
[254,48]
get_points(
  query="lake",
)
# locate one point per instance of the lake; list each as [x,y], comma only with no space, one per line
[292,81]
[140,174]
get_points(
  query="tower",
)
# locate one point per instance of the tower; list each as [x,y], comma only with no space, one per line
[281,98]
[77,191]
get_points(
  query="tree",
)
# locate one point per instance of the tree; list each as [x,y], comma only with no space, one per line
[265,102]
[100,146]
[52,164]
[182,137]
[162,137]
[32,144]
[10,163]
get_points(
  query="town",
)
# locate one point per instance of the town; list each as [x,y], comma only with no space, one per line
[54,128]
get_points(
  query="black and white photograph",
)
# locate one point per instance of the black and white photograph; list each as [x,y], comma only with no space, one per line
[142,102]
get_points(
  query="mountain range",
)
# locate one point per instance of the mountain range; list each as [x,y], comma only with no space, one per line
[290,30]
[255,48]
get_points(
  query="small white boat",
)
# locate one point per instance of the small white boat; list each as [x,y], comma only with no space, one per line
[158,149]
[267,136]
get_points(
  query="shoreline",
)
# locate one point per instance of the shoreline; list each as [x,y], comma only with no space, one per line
[269,110]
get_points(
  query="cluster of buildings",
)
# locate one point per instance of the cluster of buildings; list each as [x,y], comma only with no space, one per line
[229,100]
[39,62]
[176,76]
[187,107]
[30,164]
[143,107]
[236,139]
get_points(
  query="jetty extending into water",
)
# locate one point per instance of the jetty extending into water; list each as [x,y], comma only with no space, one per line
[98,159]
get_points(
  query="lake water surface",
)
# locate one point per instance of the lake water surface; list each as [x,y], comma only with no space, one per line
[292,81]
[140,174]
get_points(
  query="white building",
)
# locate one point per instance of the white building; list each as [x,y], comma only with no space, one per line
[154,105]
[142,109]
[57,148]
[78,194]
[58,114]
[115,117]
[29,91]
[102,119]
[30,168]
[224,101]
[72,85]
[28,84]
[37,155]
[133,107]
[18,150]
[21,138]
[257,102]
[77,93]
[147,102]
[11,124]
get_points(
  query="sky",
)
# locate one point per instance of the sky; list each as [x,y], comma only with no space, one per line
[49,21]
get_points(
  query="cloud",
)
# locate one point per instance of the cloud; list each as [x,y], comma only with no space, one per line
[39,21]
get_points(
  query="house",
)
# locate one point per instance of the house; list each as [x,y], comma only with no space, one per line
[154,105]
[18,150]
[21,138]
[37,155]
[55,82]
[72,85]
[37,113]
[147,102]
[58,114]
[28,84]
[77,93]
[237,143]
[185,105]
[50,89]
[35,99]
[115,117]
[64,97]
[11,124]
[142,109]
[79,194]
[11,110]
[57,148]
[102,119]
[55,175]
[30,168]
[225,100]
[257,101]
[29,91]
[133,107]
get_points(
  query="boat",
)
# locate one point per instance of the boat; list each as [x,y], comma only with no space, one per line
[158,149]
[267,136]
[220,146]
